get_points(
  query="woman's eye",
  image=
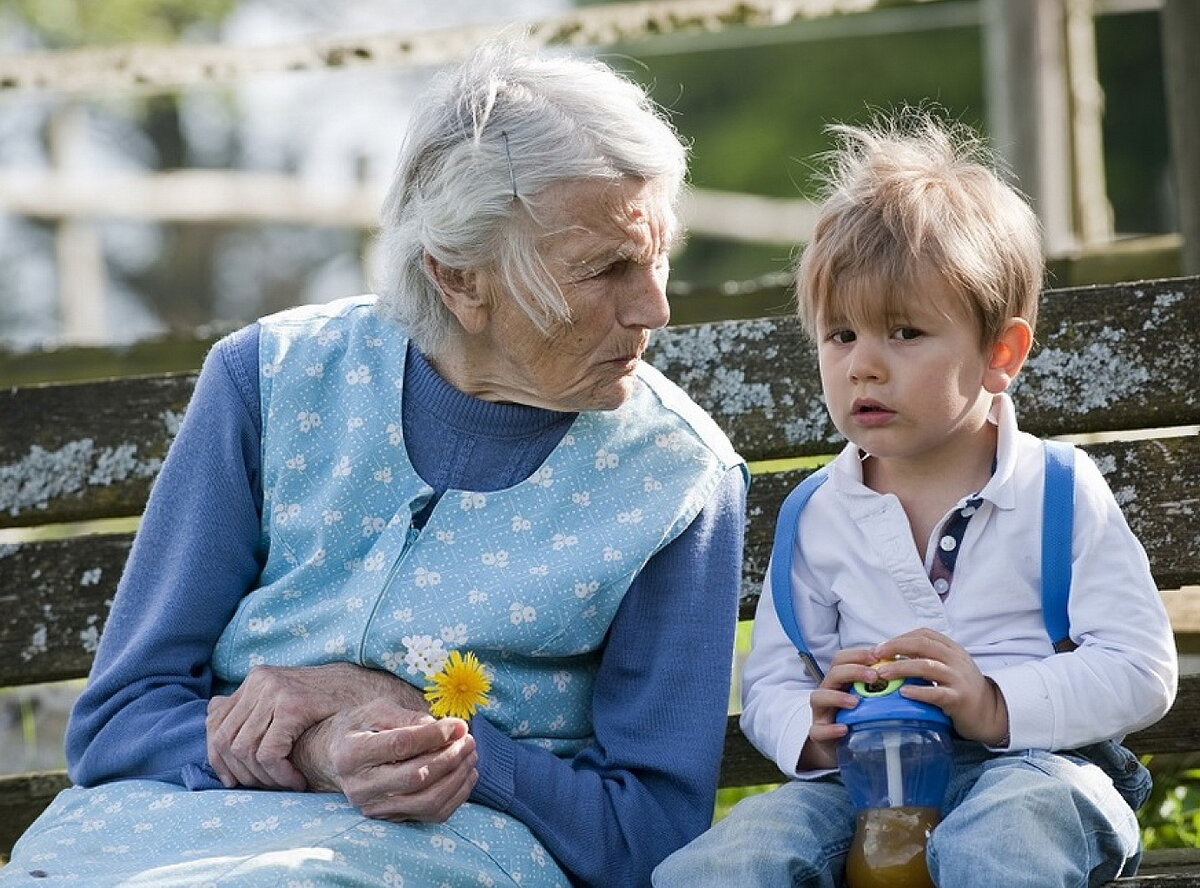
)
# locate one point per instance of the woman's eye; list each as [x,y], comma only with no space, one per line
[609,270]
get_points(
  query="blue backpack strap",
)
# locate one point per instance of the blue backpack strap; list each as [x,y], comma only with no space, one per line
[781,565]
[1058,517]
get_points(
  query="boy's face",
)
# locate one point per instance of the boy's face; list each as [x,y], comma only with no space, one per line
[913,388]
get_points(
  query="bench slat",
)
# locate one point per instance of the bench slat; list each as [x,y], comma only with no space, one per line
[54,595]
[51,471]
[1109,361]
[54,601]
[22,798]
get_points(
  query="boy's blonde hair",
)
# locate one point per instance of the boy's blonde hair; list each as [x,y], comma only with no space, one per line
[907,196]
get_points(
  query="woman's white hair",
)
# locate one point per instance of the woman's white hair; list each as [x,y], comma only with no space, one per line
[487,139]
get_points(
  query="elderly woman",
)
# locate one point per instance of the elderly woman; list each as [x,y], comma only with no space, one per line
[369,497]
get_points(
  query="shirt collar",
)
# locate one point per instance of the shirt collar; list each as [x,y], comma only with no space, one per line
[1000,489]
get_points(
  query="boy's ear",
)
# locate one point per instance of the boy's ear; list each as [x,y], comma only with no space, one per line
[1007,355]
[460,294]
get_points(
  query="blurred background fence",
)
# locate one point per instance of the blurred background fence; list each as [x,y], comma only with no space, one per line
[235,164]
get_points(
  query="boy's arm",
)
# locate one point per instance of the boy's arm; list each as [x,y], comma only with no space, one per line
[776,686]
[1123,675]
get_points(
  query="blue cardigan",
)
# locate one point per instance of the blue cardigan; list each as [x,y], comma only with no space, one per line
[610,814]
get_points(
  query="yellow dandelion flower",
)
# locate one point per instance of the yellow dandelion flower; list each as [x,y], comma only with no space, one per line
[459,688]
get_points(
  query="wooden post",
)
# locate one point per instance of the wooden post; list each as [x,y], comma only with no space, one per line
[1093,214]
[1181,60]
[1029,107]
[80,257]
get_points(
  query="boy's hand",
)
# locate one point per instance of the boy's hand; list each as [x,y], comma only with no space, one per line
[972,701]
[849,666]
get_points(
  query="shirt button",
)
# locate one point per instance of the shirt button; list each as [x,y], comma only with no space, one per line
[940,585]
[948,543]
[967,511]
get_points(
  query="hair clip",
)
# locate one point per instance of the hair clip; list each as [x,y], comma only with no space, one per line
[511,172]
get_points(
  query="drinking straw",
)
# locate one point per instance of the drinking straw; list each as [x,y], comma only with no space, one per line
[895,775]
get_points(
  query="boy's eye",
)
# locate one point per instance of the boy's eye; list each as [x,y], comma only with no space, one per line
[842,337]
[906,334]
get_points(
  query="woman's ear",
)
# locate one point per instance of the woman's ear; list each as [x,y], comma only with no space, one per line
[1007,355]
[460,294]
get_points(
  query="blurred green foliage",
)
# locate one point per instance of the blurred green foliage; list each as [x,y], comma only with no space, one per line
[62,24]
[1171,816]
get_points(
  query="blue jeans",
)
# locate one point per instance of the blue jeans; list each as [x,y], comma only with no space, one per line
[1031,819]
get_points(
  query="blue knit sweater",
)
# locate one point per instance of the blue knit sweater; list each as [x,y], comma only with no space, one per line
[610,814]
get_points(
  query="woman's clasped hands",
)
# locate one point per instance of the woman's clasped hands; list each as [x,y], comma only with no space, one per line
[341,728]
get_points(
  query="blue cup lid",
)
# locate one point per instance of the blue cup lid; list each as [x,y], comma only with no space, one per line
[888,705]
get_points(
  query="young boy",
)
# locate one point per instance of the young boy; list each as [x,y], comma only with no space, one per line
[920,556]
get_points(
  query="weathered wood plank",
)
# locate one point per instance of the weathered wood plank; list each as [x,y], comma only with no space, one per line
[1165,868]
[1109,361]
[54,595]
[77,451]
[54,602]
[22,798]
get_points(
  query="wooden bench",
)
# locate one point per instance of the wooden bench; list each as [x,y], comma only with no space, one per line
[1111,359]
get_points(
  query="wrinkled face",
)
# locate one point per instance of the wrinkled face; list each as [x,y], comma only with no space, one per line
[910,387]
[606,247]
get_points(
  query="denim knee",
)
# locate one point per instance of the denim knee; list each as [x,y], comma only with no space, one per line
[795,835]
[1033,819]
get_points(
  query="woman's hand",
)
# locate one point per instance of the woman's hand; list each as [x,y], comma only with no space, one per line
[390,762]
[973,702]
[848,666]
[252,732]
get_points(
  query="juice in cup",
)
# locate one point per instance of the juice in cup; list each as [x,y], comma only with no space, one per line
[889,848]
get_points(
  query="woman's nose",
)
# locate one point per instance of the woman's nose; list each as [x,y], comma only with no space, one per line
[644,302]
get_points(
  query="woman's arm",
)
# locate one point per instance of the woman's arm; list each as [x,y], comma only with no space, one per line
[195,555]
[647,784]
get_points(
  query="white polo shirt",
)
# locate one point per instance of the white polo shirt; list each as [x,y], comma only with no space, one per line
[858,579]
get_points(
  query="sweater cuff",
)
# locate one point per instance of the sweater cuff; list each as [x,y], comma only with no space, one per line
[497,765]
[200,777]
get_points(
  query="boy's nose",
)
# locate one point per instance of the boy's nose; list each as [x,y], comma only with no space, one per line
[865,363]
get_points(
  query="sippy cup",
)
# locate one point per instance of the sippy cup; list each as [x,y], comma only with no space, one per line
[895,762]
